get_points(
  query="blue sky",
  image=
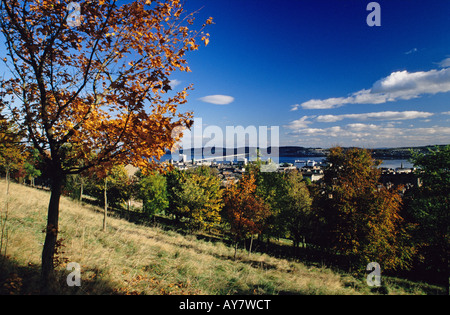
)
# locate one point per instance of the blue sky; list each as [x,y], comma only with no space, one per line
[320,73]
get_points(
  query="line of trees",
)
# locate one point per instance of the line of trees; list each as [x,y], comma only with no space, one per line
[348,215]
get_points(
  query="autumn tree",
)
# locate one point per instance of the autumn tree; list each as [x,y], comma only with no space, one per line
[244,210]
[97,85]
[362,217]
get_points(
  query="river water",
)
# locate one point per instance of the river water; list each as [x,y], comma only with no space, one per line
[388,163]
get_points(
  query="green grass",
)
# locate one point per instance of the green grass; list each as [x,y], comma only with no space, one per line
[135,259]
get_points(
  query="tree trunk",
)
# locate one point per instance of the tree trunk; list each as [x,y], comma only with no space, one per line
[7,175]
[251,243]
[51,235]
[3,223]
[81,188]
[105,215]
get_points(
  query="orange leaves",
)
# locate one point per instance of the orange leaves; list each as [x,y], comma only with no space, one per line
[205,40]
[190,43]
[245,211]
[364,216]
[209,21]
[12,285]
[102,85]
[87,100]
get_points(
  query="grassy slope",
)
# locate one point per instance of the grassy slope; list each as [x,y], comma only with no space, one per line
[133,259]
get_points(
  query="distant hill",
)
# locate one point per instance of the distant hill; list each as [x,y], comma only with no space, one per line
[293,151]
[402,153]
[298,151]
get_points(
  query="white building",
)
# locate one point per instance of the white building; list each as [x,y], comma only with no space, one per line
[183,158]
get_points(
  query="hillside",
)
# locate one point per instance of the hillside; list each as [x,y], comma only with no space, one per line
[135,259]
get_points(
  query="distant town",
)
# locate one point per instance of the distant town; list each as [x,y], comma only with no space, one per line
[311,163]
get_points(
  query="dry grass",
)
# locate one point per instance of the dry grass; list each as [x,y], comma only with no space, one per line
[134,259]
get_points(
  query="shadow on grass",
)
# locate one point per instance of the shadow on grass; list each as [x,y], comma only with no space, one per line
[309,256]
[16,279]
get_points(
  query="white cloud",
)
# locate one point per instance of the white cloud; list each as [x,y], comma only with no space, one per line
[217,99]
[445,113]
[373,135]
[387,115]
[327,103]
[399,85]
[305,121]
[174,83]
[445,63]
[406,85]
[300,123]
[411,51]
